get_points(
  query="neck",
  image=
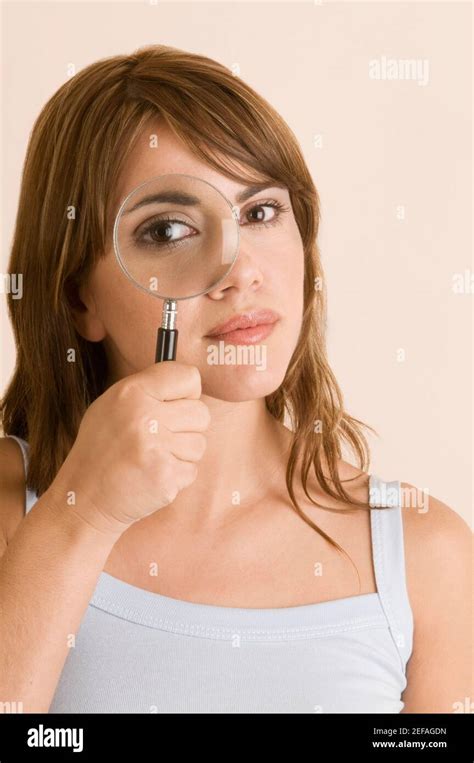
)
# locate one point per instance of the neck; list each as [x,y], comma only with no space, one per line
[247,449]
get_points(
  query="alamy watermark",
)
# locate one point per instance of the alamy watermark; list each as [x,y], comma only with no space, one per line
[12,283]
[42,736]
[413,69]
[237,354]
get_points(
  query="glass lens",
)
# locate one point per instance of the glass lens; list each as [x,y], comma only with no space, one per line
[176,236]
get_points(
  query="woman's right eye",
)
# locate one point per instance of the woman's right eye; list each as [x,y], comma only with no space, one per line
[162,233]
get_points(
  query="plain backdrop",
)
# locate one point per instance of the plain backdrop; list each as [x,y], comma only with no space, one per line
[391,159]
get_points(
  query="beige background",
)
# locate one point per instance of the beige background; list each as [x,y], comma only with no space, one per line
[384,145]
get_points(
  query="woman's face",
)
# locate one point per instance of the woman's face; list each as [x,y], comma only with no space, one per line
[268,274]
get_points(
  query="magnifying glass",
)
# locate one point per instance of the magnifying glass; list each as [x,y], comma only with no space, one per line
[176,237]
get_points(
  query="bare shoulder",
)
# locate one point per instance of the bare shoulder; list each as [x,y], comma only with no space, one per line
[438,554]
[438,546]
[12,489]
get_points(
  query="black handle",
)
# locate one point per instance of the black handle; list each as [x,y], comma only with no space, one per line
[166,344]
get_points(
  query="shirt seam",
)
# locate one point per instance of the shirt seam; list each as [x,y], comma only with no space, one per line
[355,623]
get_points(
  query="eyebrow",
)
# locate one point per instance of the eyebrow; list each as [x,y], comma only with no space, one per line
[251,190]
[172,197]
[188,200]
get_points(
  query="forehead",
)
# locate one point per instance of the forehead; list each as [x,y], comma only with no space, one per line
[158,151]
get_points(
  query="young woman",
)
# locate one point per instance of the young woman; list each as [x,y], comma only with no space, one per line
[224,560]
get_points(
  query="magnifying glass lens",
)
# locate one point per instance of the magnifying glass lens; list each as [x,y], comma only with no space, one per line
[176,236]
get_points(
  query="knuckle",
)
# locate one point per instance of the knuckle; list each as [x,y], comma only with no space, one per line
[148,423]
[125,390]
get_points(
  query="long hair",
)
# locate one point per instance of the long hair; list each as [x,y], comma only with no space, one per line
[75,154]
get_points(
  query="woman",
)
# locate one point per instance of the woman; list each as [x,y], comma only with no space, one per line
[179,548]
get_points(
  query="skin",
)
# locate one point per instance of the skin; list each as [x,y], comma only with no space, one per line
[212,550]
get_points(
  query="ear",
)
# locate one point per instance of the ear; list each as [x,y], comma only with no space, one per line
[84,313]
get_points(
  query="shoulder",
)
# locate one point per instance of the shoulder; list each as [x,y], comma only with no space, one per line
[429,520]
[438,547]
[12,489]
[438,554]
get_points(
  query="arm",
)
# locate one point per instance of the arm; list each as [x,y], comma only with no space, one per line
[48,572]
[438,545]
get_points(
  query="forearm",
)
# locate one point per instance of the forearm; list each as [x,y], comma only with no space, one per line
[47,577]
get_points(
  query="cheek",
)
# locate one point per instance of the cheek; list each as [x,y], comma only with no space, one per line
[283,272]
[131,318]
[282,259]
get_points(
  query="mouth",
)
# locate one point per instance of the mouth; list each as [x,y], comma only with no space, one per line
[246,336]
[246,328]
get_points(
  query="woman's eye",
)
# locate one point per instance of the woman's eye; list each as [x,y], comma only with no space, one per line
[261,213]
[264,213]
[165,233]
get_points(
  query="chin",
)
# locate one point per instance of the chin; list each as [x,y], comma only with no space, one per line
[239,384]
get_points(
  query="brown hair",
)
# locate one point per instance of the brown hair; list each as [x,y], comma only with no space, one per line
[75,154]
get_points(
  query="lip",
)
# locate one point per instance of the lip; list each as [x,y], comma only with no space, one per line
[244,322]
[252,335]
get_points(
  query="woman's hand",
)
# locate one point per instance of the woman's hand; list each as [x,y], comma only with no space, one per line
[138,445]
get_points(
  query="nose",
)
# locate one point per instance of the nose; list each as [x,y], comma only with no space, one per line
[245,275]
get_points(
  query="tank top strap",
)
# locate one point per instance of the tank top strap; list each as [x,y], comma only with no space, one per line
[389,561]
[30,495]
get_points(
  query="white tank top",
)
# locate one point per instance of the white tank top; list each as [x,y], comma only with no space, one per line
[142,652]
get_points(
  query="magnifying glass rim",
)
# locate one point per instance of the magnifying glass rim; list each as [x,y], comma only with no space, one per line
[115,236]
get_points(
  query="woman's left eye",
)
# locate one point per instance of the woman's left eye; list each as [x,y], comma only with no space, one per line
[265,213]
